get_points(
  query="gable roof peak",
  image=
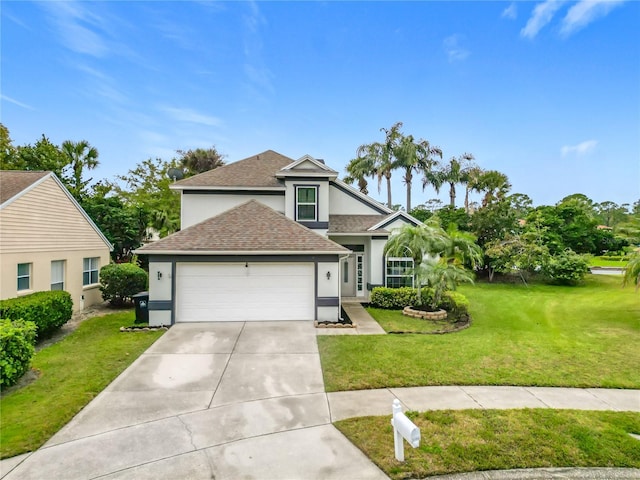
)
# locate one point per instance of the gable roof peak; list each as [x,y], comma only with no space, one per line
[257,171]
[16,182]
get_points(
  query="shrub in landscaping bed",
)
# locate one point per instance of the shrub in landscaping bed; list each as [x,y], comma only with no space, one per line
[398,298]
[455,303]
[47,310]
[393,298]
[17,340]
[120,281]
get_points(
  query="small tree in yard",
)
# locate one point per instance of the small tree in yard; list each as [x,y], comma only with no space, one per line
[417,242]
[442,276]
[565,268]
[120,281]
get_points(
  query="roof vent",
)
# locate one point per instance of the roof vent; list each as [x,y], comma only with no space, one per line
[321,160]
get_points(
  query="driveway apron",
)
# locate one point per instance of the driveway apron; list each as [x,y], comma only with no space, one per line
[209,400]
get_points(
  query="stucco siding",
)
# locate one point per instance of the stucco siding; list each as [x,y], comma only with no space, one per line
[197,207]
[341,203]
[45,220]
[82,296]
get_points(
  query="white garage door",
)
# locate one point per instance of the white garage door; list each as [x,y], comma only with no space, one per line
[219,292]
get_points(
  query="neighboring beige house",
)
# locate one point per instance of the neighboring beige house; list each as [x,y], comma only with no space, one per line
[47,241]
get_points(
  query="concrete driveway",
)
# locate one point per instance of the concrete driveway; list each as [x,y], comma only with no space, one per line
[216,400]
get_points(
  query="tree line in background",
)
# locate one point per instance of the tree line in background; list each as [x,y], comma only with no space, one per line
[512,233]
[128,209]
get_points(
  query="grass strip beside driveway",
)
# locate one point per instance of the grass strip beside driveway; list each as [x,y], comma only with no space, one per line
[541,335]
[471,440]
[72,372]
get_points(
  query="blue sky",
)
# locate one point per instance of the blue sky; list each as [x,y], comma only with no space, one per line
[546,92]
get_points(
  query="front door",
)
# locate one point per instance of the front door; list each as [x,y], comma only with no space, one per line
[349,276]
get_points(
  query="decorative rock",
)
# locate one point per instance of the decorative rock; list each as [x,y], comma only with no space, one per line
[438,315]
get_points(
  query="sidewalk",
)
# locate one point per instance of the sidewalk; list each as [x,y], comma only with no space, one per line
[360,403]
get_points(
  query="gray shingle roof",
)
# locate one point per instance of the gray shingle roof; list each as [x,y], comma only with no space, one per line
[250,227]
[256,171]
[12,182]
[354,223]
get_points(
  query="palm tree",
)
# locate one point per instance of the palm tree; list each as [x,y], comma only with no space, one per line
[359,169]
[472,183]
[381,156]
[441,276]
[80,155]
[462,248]
[457,171]
[495,185]
[632,272]
[418,242]
[414,156]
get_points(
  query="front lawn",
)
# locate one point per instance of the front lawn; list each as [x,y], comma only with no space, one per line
[72,372]
[474,440]
[541,335]
[600,262]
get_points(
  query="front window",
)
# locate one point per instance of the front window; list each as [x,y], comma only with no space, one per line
[307,204]
[24,276]
[90,271]
[57,275]
[399,272]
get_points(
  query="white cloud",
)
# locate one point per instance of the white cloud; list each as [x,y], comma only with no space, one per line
[16,102]
[542,14]
[191,116]
[454,50]
[77,27]
[580,149]
[586,11]
[511,12]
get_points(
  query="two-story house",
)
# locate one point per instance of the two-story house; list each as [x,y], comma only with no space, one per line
[270,238]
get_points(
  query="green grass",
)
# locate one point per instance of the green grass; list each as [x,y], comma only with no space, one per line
[599,262]
[473,440]
[72,372]
[395,321]
[542,335]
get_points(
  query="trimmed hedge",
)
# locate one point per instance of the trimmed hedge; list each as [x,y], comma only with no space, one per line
[47,310]
[455,303]
[120,281]
[393,298]
[398,298]
[17,340]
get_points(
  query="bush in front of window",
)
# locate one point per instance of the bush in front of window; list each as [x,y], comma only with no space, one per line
[398,298]
[47,310]
[17,339]
[393,298]
[120,281]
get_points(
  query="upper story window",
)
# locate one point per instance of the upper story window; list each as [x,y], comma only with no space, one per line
[307,204]
[24,276]
[90,270]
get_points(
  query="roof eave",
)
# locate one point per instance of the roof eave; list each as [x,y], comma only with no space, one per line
[240,252]
[226,188]
[354,234]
